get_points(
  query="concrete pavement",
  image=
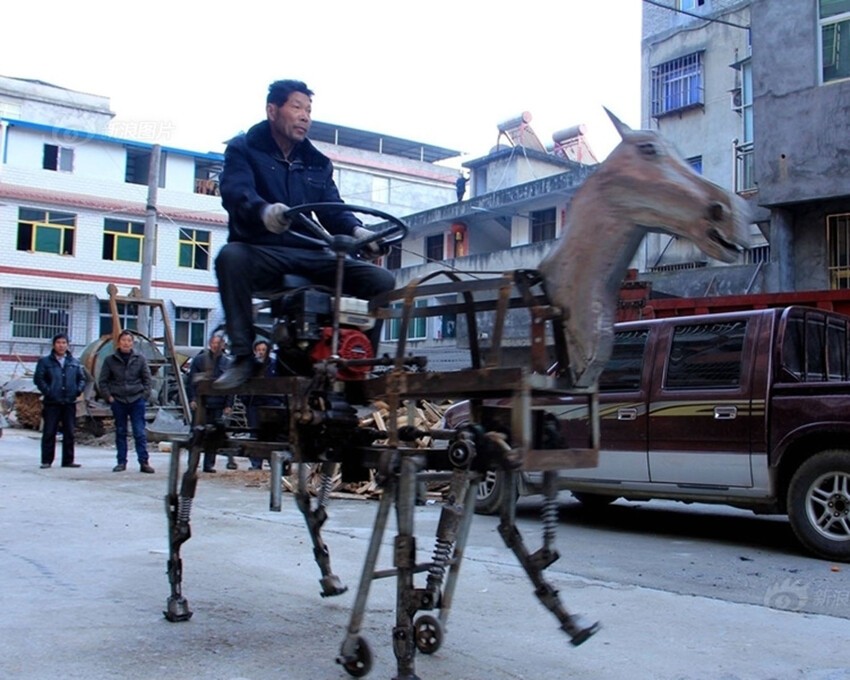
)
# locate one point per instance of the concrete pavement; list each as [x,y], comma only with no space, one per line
[83,556]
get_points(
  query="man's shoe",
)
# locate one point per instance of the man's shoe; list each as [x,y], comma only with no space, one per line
[120,467]
[209,469]
[145,467]
[71,465]
[44,466]
[237,373]
[231,465]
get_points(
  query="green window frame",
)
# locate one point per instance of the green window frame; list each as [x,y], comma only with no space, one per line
[123,240]
[417,330]
[193,249]
[46,231]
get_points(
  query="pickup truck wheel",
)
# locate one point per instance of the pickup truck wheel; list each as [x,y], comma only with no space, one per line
[819,504]
[491,492]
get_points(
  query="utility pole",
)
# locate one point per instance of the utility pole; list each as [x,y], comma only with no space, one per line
[148,247]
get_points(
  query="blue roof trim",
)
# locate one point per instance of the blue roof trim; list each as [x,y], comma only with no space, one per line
[77,136]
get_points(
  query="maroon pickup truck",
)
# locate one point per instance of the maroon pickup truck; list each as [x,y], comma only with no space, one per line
[749,409]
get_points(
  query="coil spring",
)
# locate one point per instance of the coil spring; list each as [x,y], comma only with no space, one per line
[325,489]
[184,508]
[549,520]
[439,562]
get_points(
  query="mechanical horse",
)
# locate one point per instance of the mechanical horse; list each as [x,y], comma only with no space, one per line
[642,185]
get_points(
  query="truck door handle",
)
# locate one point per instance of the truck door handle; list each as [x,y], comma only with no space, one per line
[725,412]
[626,414]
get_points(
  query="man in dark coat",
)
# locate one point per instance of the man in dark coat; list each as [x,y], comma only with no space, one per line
[61,379]
[209,364]
[125,382]
[271,167]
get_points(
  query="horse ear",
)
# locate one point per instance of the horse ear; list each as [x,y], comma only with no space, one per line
[622,128]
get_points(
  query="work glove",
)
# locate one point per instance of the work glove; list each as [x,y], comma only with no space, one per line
[274,219]
[371,251]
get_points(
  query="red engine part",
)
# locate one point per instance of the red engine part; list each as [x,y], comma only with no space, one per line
[353,344]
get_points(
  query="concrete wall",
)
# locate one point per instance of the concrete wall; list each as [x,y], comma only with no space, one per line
[802,135]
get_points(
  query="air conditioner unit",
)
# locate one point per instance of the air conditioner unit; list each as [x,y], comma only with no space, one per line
[736,99]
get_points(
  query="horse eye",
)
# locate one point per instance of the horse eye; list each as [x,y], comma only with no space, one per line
[648,149]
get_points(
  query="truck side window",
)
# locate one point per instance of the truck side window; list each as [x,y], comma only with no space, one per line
[624,368]
[815,348]
[706,355]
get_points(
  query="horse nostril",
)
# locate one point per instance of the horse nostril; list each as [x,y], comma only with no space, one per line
[716,212]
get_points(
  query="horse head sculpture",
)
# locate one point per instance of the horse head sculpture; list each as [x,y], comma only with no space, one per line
[643,185]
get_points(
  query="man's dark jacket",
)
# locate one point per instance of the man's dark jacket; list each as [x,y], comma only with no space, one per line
[125,381]
[59,384]
[205,366]
[255,174]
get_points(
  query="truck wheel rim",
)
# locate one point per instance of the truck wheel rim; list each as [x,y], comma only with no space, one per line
[828,506]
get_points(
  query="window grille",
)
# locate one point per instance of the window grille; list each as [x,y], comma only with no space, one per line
[190,327]
[838,245]
[416,329]
[677,84]
[40,314]
[835,39]
[434,248]
[542,225]
[757,255]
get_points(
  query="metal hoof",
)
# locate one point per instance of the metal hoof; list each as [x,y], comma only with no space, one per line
[582,632]
[331,585]
[177,609]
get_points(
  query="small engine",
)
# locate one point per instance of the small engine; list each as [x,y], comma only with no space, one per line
[304,332]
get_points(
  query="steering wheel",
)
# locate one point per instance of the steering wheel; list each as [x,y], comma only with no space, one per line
[394,233]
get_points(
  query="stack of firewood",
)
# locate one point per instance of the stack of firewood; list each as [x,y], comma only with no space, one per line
[28,409]
[423,415]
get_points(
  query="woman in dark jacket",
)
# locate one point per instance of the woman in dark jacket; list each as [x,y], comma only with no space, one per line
[125,381]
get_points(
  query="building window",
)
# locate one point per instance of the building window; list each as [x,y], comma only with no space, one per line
[690,5]
[542,225]
[58,158]
[122,240]
[757,254]
[46,231]
[745,177]
[677,84]
[380,189]
[416,329]
[696,163]
[190,327]
[128,317]
[139,164]
[394,257]
[434,248]
[207,174]
[194,249]
[838,243]
[40,314]
[835,39]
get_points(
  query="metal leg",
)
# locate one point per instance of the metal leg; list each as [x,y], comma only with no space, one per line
[460,546]
[331,585]
[178,507]
[354,647]
[407,601]
[534,564]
